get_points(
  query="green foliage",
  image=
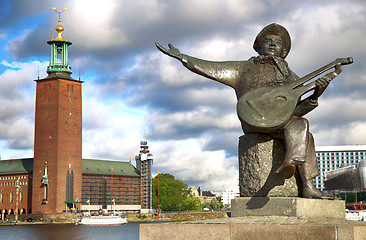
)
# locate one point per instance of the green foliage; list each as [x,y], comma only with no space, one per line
[215,204]
[353,196]
[172,192]
[192,203]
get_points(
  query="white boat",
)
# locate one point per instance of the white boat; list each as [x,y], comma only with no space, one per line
[356,215]
[102,220]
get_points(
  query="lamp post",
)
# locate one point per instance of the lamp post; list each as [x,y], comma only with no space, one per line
[114,206]
[88,202]
[112,191]
[16,199]
[355,195]
[158,195]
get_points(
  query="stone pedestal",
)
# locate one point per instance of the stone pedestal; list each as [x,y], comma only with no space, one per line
[259,157]
[288,207]
[267,218]
[256,229]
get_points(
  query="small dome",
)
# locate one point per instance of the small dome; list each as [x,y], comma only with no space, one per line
[59,30]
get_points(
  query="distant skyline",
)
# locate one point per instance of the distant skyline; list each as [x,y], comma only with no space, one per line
[132,90]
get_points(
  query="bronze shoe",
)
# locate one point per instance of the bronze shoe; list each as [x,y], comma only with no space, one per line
[288,168]
[286,171]
[309,191]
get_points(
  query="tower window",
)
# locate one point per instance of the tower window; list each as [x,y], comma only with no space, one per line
[59,54]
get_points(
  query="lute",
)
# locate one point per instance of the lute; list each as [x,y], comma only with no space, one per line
[271,108]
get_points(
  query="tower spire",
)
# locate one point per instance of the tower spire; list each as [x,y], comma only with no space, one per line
[59,49]
[59,28]
[59,12]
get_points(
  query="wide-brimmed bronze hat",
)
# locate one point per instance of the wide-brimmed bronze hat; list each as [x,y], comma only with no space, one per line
[273,29]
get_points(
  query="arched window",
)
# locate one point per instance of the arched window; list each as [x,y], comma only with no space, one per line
[11,197]
[21,196]
[1,197]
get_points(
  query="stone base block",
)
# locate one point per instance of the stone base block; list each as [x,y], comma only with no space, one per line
[259,157]
[166,231]
[288,207]
[256,230]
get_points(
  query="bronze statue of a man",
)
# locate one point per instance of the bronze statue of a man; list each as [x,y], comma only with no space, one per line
[270,69]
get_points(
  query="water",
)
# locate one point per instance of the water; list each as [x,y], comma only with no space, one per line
[128,231]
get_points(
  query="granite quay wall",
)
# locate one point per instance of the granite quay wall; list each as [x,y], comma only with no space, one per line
[194,216]
[47,217]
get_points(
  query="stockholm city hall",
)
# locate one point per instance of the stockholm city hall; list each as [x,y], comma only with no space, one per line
[58,179]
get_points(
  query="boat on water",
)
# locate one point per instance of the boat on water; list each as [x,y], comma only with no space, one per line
[355,215]
[102,220]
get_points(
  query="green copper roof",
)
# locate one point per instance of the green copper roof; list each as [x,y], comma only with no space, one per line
[16,166]
[104,167]
[90,166]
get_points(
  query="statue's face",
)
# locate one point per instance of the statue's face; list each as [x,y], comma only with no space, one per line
[272,45]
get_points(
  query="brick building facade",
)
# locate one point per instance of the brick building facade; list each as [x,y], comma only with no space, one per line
[111,185]
[11,199]
[108,185]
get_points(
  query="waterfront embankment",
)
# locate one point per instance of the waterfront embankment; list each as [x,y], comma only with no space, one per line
[67,218]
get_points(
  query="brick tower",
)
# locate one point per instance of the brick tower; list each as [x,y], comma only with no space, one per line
[57,165]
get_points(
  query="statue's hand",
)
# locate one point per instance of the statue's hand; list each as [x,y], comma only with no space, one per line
[321,84]
[172,51]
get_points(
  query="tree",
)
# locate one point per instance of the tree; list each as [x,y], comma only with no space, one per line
[192,203]
[172,192]
[215,204]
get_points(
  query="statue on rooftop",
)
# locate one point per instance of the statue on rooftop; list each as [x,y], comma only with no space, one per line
[269,99]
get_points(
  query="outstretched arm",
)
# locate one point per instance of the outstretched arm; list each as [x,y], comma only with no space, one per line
[172,51]
[224,72]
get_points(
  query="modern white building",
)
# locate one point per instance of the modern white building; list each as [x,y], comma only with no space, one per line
[330,158]
[230,193]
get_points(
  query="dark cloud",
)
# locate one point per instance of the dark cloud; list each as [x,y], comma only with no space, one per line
[19,13]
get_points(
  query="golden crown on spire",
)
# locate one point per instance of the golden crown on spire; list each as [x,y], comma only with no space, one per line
[59,28]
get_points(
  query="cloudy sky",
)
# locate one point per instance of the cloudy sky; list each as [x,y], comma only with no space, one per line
[132,90]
